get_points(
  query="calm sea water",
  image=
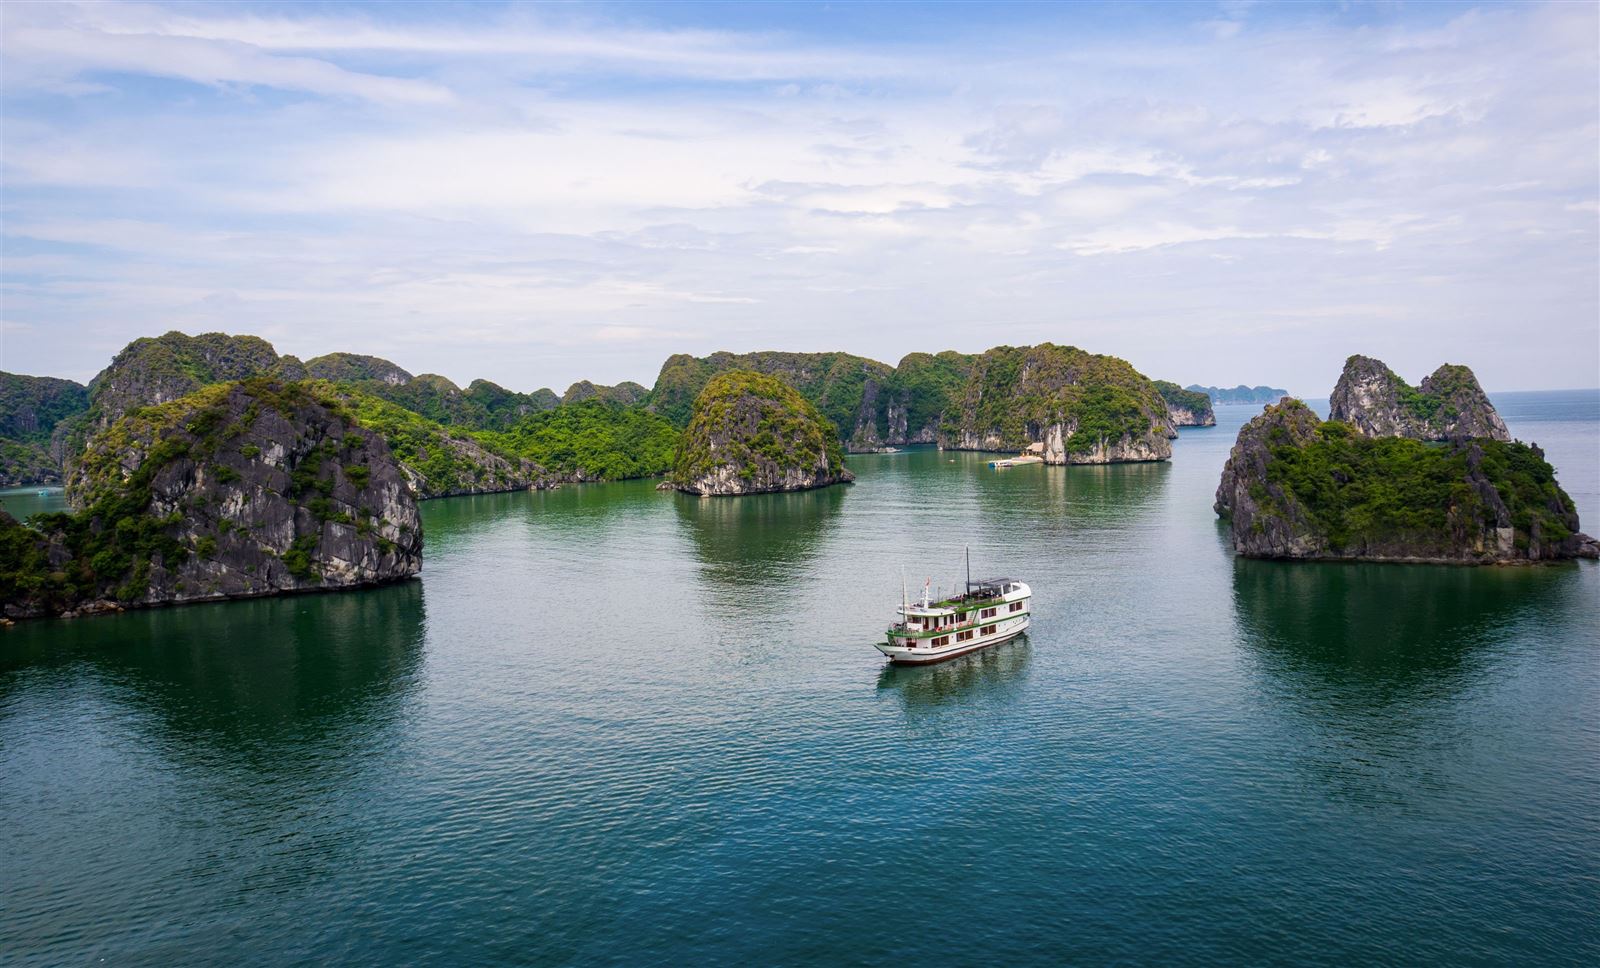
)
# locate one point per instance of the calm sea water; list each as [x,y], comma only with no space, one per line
[611,725]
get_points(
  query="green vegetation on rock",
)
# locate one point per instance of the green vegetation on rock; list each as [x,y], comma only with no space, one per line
[928,385]
[440,460]
[163,368]
[836,383]
[1179,397]
[751,432]
[1376,491]
[497,408]
[626,393]
[31,410]
[1017,393]
[593,440]
[1296,486]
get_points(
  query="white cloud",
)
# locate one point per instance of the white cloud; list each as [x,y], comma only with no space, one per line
[543,196]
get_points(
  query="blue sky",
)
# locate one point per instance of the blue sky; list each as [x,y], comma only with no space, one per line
[539,194]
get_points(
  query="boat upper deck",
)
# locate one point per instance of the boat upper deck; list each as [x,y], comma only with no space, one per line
[982,593]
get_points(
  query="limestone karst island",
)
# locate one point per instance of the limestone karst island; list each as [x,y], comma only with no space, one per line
[799,484]
[209,467]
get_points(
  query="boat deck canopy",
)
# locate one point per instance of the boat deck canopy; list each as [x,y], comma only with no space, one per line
[991,586]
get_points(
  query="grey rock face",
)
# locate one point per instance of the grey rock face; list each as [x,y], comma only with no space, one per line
[1185,417]
[266,488]
[162,369]
[1449,405]
[1265,520]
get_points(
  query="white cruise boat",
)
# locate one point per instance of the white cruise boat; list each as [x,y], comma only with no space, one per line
[987,613]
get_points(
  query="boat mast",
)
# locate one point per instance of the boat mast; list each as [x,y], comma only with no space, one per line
[969,569]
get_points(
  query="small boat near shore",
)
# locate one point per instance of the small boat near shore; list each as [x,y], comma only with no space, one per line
[1034,454]
[989,612]
[1016,461]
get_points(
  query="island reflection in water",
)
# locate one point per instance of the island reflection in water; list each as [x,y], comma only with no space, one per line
[1362,661]
[1388,629]
[260,723]
[237,678]
[746,541]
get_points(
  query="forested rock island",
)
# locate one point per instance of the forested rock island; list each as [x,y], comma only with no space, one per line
[241,489]
[1396,474]
[750,433]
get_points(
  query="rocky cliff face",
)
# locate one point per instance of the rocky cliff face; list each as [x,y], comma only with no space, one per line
[238,490]
[751,433]
[1297,487]
[1266,521]
[161,369]
[31,410]
[1186,408]
[1449,405]
[1085,408]
[421,424]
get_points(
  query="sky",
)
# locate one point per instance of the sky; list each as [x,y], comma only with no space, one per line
[1221,194]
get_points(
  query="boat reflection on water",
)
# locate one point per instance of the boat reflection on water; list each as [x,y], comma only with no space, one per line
[983,676]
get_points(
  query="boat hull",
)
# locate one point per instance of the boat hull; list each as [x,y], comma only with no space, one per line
[1005,631]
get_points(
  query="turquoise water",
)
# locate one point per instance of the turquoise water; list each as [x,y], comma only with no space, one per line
[611,725]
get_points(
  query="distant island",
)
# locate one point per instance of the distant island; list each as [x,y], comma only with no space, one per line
[1240,394]
[1186,407]
[1399,474]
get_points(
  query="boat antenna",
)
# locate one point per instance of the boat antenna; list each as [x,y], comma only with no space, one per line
[905,597]
[969,569]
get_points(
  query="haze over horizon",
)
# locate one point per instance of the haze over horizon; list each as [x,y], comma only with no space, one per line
[1220,194]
